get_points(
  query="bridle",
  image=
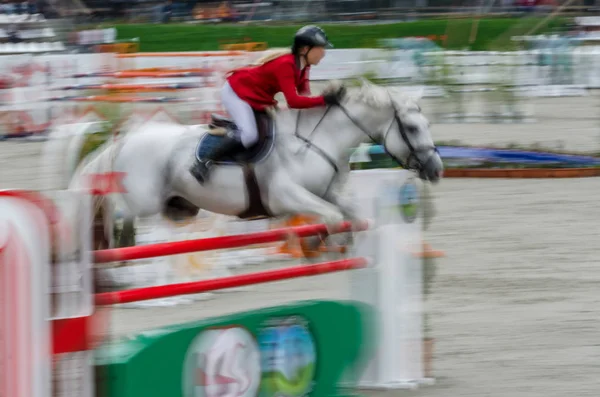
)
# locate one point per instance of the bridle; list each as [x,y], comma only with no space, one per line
[413,161]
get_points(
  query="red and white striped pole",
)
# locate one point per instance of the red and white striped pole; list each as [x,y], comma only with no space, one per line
[165,291]
[215,243]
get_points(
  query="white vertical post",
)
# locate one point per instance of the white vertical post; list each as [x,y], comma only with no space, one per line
[25,360]
[393,283]
[72,288]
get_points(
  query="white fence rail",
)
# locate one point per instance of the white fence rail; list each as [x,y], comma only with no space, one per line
[578,66]
[29,82]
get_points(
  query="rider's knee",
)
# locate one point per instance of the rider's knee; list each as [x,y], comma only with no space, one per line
[249,138]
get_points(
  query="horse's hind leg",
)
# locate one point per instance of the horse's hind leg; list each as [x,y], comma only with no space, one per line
[127,234]
[179,209]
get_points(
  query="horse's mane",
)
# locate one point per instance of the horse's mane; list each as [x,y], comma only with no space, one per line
[376,96]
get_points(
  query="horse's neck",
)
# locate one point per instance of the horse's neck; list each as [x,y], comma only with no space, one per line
[333,133]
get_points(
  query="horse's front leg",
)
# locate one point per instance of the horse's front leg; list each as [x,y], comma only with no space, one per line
[292,198]
[346,206]
[349,209]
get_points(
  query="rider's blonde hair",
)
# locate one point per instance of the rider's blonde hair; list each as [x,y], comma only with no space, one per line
[271,54]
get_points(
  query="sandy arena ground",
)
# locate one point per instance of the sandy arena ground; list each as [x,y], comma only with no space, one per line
[515,302]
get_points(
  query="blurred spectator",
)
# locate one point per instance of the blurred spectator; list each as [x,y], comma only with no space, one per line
[232,13]
[12,33]
[18,7]
[198,12]
[7,7]
[546,5]
[167,11]
[28,7]
[526,5]
[507,5]
[225,12]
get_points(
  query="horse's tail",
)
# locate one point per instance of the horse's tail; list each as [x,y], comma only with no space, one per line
[98,161]
[72,153]
[63,152]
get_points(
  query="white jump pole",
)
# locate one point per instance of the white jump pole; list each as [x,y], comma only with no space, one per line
[393,283]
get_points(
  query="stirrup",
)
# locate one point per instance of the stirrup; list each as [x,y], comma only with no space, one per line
[201,170]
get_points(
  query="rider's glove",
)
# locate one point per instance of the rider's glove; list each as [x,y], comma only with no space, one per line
[335,97]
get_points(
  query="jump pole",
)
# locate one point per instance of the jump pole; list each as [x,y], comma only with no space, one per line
[215,243]
[165,291]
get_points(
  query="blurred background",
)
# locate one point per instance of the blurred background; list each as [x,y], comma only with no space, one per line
[373,11]
[289,10]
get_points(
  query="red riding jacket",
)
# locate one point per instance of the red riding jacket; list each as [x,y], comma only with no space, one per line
[257,85]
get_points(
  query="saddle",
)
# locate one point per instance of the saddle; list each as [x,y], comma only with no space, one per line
[220,124]
[218,127]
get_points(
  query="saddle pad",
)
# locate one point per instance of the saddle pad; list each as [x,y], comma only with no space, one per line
[207,143]
[255,154]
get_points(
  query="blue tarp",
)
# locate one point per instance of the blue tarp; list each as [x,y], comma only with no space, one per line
[506,156]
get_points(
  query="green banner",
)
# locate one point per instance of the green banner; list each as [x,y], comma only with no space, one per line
[309,348]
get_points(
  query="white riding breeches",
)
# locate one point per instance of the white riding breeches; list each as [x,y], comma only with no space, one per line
[242,114]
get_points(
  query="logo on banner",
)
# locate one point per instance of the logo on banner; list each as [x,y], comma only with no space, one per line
[409,201]
[288,357]
[393,199]
[222,363]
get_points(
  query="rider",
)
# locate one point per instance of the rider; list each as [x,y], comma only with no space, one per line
[254,87]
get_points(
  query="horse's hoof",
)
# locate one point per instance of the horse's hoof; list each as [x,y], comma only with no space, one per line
[364,224]
[334,228]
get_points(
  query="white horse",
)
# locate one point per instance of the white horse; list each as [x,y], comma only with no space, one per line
[302,173]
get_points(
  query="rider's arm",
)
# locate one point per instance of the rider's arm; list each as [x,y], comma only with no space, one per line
[304,88]
[287,84]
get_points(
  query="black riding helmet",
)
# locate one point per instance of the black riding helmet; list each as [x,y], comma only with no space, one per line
[312,36]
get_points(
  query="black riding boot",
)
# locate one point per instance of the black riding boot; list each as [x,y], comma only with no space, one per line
[201,169]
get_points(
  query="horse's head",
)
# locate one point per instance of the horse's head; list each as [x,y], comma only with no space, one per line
[397,123]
